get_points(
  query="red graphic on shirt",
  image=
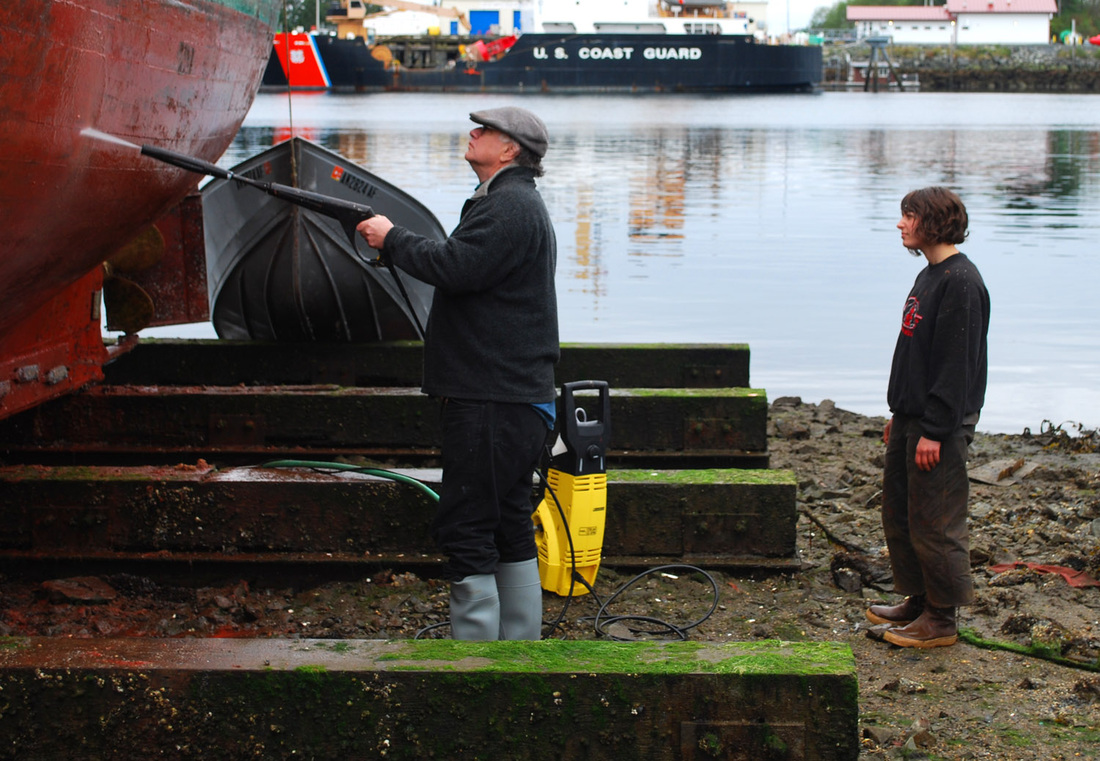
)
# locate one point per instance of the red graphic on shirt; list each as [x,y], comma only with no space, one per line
[911,316]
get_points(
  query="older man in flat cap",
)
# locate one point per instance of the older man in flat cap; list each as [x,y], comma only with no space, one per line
[489,353]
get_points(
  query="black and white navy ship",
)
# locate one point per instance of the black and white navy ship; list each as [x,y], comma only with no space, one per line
[645,46]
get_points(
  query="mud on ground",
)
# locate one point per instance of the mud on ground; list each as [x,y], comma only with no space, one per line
[1035,500]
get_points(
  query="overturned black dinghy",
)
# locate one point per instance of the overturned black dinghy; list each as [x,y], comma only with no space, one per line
[280,272]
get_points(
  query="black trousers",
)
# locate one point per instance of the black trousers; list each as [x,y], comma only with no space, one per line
[924,516]
[490,452]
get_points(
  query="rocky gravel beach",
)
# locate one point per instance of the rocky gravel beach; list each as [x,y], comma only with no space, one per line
[1022,683]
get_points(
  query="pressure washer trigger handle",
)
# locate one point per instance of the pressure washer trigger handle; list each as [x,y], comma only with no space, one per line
[349,220]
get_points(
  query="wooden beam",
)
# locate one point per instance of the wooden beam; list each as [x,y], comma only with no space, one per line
[202,515]
[720,427]
[256,363]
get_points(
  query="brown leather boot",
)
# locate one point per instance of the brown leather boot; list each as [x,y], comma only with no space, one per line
[898,615]
[935,627]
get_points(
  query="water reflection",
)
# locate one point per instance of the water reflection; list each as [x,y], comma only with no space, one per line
[587,274]
[771,221]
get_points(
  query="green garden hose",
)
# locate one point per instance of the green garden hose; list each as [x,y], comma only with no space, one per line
[379,472]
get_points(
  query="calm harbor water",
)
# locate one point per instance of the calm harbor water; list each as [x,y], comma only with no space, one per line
[770,220]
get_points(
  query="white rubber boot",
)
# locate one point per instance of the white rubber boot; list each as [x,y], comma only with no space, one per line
[520,591]
[475,608]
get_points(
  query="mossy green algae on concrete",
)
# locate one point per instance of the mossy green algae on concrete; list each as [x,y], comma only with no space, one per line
[546,692]
[562,656]
[650,346]
[689,393]
[718,476]
[532,700]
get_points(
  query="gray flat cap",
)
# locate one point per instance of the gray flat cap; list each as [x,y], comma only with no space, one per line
[519,124]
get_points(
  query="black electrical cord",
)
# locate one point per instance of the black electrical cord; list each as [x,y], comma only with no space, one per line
[600,621]
[679,631]
[544,474]
[601,628]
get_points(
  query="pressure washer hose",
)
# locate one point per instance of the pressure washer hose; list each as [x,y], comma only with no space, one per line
[379,472]
[601,622]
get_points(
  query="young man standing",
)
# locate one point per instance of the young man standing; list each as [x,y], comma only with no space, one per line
[936,391]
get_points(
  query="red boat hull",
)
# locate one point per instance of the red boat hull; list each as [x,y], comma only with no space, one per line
[180,74]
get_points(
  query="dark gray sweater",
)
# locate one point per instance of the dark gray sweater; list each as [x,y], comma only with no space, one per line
[940,361]
[492,331]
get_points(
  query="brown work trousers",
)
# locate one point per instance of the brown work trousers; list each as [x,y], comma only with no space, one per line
[924,516]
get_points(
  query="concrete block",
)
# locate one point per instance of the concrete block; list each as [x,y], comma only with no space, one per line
[355,699]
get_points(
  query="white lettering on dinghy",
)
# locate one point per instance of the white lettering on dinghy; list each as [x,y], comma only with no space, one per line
[682,54]
[606,54]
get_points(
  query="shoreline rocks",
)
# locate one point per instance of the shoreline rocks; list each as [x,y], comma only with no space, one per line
[982,68]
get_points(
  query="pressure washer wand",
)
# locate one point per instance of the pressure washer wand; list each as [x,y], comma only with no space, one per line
[348,213]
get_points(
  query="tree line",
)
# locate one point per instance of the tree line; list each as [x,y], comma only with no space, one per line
[304,14]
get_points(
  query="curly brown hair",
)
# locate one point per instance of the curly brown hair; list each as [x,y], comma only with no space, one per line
[941,215]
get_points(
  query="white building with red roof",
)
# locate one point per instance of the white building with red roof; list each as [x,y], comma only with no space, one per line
[962,22]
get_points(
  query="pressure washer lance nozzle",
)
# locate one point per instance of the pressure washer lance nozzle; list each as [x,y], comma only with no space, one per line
[190,163]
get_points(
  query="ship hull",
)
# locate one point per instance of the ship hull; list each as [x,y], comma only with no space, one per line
[180,74]
[577,63]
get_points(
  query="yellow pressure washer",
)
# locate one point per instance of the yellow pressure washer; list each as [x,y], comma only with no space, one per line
[569,521]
